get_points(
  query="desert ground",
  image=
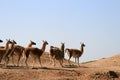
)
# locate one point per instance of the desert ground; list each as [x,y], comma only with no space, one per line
[103,69]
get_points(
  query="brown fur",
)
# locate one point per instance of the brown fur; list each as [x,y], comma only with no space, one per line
[75,53]
[57,53]
[35,53]
[8,52]
[19,50]
[3,50]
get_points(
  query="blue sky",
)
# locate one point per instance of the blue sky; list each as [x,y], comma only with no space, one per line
[94,22]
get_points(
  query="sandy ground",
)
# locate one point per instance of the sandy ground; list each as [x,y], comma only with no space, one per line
[103,69]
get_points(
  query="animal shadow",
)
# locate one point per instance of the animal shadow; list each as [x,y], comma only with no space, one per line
[74,66]
[13,67]
[71,66]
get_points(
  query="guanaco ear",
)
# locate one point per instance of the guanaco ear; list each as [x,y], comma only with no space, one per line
[47,42]
[83,43]
[62,42]
[43,40]
[7,39]
[30,40]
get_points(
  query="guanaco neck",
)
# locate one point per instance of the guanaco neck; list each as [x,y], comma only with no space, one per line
[43,47]
[12,46]
[82,50]
[30,45]
[7,45]
[62,48]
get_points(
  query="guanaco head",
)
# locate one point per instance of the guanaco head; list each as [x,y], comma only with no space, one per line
[8,41]
[14,42]
[33,43]
[67,50]
[62,43]
[1,40]
[82,44]
[45,42]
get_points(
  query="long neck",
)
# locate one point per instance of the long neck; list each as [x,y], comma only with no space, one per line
[30,45]
[81,49]
[7,45]
[43,47]
[12,45]
[62,48]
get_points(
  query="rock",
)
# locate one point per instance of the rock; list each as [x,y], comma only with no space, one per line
[112,74]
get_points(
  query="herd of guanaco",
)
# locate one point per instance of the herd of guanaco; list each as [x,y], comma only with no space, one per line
[55,53]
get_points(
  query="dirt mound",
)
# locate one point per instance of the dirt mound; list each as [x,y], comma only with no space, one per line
[103,69]
[106,62]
